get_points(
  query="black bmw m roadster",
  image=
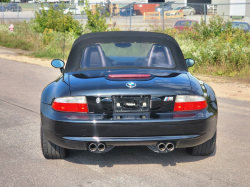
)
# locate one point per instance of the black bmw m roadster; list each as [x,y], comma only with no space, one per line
[127,89]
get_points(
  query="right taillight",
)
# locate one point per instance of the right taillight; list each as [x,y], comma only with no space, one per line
[189,103]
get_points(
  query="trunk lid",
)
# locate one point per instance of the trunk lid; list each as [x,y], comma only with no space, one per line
[102,91]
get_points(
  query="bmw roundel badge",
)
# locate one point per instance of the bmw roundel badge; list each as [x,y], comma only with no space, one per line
[131,84]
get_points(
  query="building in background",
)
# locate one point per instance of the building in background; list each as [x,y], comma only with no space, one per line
[224,7]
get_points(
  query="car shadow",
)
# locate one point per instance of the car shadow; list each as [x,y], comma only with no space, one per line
[132,155]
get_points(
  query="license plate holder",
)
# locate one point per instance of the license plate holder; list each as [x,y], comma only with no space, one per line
[131,103]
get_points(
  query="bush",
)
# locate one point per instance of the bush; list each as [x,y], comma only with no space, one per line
[216,27]
[57,21]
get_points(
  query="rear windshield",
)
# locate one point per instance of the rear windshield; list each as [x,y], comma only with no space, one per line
[185,23]
[244,26]
[127,55]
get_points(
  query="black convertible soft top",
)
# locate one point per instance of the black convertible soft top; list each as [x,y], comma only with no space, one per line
[74,60]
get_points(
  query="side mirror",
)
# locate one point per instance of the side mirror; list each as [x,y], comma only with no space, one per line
[58,64]
[190,62]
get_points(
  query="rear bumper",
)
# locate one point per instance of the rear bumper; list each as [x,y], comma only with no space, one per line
[78,134]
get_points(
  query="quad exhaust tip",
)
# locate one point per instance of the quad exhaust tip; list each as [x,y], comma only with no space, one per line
[101,147]
[93,147]
[168,146]
[161,146]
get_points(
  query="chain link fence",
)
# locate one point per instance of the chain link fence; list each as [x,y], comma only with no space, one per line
[135,16]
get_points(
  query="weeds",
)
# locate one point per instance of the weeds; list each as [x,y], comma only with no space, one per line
[217,48]
[23,37]
[50,44]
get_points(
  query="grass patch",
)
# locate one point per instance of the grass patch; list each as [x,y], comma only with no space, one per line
[49,44]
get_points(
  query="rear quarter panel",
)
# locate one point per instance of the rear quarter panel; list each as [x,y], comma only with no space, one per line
[201,88]
[58,88]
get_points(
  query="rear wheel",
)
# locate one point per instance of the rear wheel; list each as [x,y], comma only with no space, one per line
[205,149]
[52,151]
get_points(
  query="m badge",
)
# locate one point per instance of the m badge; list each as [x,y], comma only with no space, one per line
[169,99]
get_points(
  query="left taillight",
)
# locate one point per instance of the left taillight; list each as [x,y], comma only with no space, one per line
[71,104]
[189,103]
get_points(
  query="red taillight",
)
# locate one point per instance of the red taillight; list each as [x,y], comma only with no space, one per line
[129,76]
[71,104]
[189,103]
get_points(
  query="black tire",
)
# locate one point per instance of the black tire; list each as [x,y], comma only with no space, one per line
[205,149]
[177,13]
[52,151]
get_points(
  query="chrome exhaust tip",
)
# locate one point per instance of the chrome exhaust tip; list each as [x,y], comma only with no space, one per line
[101,147]
[92,147]
[169,146]
[161,146]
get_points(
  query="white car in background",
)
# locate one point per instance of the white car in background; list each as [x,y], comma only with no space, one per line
[187,10]
[73,10]
[45,8]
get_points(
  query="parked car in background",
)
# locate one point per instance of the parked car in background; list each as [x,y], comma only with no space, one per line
[2,9]
[45,8]
[34,1]
[13,7]
[187,10]
[184,24]
[241,25]
[73,10]
[166,7]
[54,7]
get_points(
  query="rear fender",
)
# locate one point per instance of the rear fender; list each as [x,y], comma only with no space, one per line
[58,88]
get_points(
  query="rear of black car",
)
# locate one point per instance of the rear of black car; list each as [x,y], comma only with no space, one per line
[13,7]
[127,93]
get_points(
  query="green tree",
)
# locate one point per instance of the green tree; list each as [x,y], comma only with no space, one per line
[96,22]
